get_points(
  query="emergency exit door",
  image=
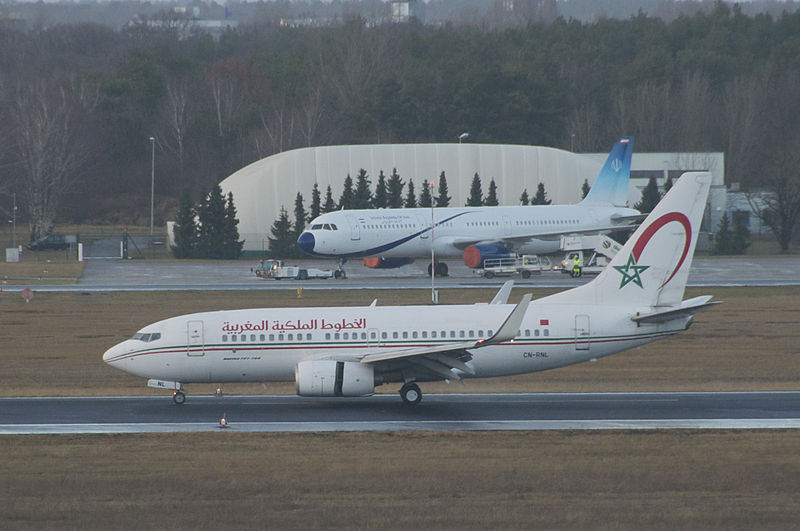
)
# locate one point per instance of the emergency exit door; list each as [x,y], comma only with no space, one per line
[195,344]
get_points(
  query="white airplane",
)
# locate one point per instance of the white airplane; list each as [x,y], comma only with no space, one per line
[348,351]
[389,238]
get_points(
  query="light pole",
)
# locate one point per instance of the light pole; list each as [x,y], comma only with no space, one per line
[14,220]
[462,136]
[572,142]
[152,179]
[433,257]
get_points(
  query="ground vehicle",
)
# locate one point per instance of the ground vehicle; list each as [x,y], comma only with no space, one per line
[525,265]
[595,252]
[53,242]
[276,270]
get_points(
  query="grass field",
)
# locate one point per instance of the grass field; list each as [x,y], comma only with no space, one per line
[681,479]
[420,480]
[53,345]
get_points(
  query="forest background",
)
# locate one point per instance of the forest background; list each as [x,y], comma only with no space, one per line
[79,102]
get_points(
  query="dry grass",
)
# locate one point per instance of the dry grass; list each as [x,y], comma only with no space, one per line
[490,480]
[53,345]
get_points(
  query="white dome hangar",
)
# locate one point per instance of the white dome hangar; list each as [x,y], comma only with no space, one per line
[261,188]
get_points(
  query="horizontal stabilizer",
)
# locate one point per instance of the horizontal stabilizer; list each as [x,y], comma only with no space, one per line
[686,309]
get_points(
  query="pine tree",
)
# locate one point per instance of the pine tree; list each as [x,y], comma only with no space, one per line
[381,197]
[316,206]
[722,239]
[185,229]
[425,199]
[395,186]
[363,196]
[650,197]
[443,200]
[281,243]
[329,205]
[585,188]
[741,234]
[232,246]
[475,192]
[348,197]
[491,197]
[523,199]
[299,216]
[541,196]
[411,199]
[211,223]
[667,184]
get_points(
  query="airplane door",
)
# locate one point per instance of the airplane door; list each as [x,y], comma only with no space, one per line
[373,338]
[424,222]
[195,344]
[355,229]
[582,332]
[507,225]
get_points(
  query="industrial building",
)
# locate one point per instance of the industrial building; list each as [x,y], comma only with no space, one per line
[263,187]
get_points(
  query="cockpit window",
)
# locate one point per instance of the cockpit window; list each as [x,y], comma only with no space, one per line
[316,226]
[326,227]
[147,338]
[334,227]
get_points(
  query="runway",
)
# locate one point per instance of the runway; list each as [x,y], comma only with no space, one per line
[445,412]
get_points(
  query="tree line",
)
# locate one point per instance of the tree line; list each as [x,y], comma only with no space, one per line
[79,103]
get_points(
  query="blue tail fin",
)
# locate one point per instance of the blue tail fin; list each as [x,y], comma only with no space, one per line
[611,185]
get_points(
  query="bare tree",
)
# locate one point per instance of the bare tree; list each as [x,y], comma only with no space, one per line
[743,104]
[779,208]
[49,150]
[227,80]
[177,119]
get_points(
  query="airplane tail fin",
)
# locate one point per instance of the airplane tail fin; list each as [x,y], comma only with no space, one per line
[653,266]
[611,185]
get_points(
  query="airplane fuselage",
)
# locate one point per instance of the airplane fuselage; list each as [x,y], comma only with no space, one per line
[407,232]
[260,345]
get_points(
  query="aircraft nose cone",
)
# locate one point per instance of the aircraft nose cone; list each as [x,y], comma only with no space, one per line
[109,354]
[306,242]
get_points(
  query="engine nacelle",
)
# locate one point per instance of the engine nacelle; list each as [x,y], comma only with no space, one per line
[475,255]
[334,378]
[376,262]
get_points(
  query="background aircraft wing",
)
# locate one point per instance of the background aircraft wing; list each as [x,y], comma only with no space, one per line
[555,235]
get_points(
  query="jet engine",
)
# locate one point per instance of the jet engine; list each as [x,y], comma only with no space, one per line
[475,255]
[375,262]
[334,378]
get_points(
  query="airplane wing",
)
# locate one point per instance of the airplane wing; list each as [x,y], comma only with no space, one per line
[687,308]
[441,359]
[511,241]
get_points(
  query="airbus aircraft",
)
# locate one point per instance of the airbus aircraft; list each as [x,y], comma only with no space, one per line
[394,237]
[348,351]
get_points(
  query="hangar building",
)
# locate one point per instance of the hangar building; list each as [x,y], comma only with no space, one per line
[263,187]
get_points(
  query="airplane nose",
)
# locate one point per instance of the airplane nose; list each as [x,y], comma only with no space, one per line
[109,354]
[306,242]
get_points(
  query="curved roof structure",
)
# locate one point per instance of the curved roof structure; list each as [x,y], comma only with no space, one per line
[261,188]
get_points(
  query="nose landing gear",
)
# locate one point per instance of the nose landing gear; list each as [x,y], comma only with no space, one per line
[178,397]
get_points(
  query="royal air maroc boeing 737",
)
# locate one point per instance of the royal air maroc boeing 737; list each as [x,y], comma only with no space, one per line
[389,238]
[348,351]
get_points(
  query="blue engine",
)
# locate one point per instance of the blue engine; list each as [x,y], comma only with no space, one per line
[474,256]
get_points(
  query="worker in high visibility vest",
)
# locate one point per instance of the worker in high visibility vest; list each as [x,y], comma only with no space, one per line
[576,267]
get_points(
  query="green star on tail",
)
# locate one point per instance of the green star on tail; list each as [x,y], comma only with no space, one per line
[627,276]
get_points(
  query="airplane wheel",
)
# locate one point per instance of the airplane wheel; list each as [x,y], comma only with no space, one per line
[442,269]
[411,394]
[429,270]
[178,397]
[337,274]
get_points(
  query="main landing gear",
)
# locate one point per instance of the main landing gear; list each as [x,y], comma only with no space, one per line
[410,393]
[441,269]
[179,397]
